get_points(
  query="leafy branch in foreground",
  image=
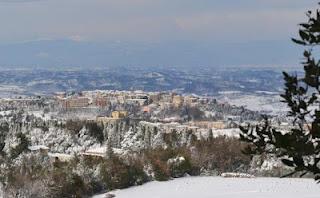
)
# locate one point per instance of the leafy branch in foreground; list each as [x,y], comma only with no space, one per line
[299,146]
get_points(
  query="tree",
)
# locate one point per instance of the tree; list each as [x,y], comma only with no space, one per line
[24,142]
[298,147]
[109,150]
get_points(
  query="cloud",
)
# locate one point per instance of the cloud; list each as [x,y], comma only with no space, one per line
[151,20]
[263,25]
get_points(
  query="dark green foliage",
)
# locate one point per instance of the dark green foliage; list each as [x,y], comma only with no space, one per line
[74,125]
[210,136]
[44,127]
[300,147]
[136,174]
[4,129]
[21,147]
[159,157]
[180,169]
[171,139]
[193,113]
[2,144]
[161,172]
[117,175]
[95,130]
[67,184]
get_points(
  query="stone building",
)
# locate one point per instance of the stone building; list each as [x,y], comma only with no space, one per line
[177,101]
[75,102]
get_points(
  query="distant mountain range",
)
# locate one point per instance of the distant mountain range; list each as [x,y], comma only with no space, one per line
[183,54]
[201,81]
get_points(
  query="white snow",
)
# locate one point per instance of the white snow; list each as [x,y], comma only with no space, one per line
[61,156]
[218,187]
[237,175]
[233,132]
[38,147]
[268,103]
[101,151]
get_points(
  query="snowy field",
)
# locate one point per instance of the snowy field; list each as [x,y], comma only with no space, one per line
[268,103]
[218,187]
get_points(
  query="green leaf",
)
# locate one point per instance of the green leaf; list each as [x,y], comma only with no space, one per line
[288,162]
[298,42]
[305,25]
[304,35]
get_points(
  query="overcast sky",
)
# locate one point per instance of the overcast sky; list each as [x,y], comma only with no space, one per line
[152,21]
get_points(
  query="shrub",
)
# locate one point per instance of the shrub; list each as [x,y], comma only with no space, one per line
[221,154]
[136,174]
[165,165]
[67,184]
[36,177]
[118,175]
[27,179]
[179,166]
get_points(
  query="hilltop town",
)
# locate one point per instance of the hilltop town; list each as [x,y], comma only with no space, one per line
[120,112]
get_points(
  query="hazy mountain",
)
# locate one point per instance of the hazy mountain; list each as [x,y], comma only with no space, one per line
[66,53]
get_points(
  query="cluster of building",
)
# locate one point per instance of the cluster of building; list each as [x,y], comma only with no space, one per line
[147,102]
[102,99]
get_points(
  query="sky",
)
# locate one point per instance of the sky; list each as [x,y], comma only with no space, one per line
[199,32]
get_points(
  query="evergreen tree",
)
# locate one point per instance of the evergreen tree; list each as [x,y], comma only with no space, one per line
[24,142]
[300,146]
[210,135]
[109,150]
